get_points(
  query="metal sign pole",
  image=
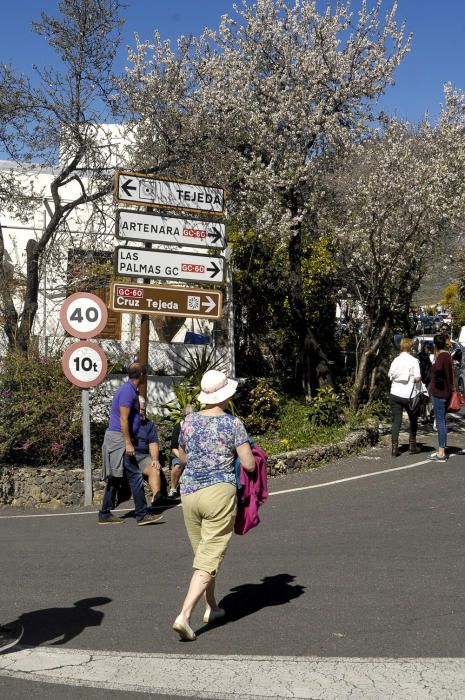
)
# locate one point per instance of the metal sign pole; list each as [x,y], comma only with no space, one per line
[86,448]
[230,311]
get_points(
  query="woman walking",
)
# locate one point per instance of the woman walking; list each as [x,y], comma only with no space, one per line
[405,375]
[442,385]
[208,444]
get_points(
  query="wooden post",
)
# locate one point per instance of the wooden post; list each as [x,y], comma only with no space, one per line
[144,337]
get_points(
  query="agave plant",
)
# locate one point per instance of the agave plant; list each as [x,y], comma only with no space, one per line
[186,395]
[195,364]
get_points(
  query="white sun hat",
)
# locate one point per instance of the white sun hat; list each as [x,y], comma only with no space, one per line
[216,387]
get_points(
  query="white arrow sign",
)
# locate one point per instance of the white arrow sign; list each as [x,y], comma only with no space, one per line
[150,191]
[142,226]
[157,264]
[209,304]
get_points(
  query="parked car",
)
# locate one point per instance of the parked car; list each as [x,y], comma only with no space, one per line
[460,375]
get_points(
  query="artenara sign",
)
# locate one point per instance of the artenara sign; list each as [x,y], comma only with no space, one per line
[151,191]
[141,226]
[165,301]
[140,262]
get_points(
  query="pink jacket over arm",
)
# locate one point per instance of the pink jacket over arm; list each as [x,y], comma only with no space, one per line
[253,494]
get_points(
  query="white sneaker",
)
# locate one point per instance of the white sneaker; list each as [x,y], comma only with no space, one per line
[172,493]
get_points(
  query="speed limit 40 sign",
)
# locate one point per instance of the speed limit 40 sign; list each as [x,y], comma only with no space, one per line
[84,364]
[83,315]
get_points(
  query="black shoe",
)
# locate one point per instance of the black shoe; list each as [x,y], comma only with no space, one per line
[149,519]
[10,635]
[111,520]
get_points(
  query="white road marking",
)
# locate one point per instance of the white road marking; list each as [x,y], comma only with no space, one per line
[351,478]
[244,677]
[273,493]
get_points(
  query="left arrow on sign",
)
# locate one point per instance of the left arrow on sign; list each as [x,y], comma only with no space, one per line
[214,270]
[126,189]
[209,304]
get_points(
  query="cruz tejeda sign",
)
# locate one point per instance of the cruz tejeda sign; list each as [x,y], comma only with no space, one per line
[155,264]
[165,301]
[142,226]
[151,191]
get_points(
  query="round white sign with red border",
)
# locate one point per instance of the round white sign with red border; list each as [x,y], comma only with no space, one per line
[83,315]
[84,364]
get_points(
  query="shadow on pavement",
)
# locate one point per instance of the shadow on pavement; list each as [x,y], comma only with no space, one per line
[164,504]
[249,598]
[60,624]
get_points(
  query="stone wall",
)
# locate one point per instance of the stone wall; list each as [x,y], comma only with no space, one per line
[23,487]
[308,457]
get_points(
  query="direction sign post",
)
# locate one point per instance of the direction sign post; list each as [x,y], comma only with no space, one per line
[156,264]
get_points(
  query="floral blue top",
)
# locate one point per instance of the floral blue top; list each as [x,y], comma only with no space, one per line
[210,443]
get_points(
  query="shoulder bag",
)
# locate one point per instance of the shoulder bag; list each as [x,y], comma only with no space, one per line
[456,399]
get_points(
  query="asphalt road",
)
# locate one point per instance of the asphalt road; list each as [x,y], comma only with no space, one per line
[360,559]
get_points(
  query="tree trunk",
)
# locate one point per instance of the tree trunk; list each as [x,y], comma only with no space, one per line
[30,298]
[313,369]
[7,307]
[370,351]
[360,379]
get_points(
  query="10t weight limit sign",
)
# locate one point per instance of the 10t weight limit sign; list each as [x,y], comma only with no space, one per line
[84,364]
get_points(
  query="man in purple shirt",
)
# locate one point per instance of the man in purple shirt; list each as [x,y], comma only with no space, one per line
[118,449]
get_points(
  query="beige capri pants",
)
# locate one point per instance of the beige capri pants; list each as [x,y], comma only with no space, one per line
[209,516]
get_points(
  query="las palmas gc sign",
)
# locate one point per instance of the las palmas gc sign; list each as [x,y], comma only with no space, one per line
[139,262]
[152,191]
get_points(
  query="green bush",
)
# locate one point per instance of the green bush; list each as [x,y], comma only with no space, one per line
[259,407]
[294,429]
[376,410]
[326,408]
[40,412]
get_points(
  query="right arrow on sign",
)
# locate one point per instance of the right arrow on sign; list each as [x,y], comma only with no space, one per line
[209,305]
[215,235]
[214,269]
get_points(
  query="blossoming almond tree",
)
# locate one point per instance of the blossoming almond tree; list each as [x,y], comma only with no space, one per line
[400,193]
[279,86]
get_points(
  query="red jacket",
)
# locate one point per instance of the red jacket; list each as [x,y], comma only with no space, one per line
[253,494]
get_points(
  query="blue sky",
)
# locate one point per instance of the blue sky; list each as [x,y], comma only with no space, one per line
[437,56]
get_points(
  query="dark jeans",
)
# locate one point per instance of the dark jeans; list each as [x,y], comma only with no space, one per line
[440,415]
[136,482]
[397,406]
